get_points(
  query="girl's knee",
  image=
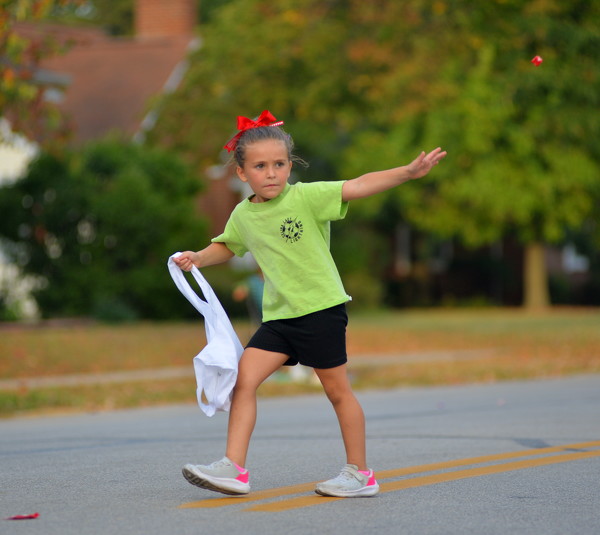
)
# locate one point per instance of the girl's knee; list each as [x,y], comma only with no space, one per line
[246,384]
[336,384]
[340,394]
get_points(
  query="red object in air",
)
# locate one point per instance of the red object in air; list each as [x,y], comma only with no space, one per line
[537,61]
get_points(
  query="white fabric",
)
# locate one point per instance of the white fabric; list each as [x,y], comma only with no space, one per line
[217,364]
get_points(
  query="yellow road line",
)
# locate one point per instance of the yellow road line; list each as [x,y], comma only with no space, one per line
[307,501]
[254,497]
[384,474]
[483,459]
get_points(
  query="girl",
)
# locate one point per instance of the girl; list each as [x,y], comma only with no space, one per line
[286,228]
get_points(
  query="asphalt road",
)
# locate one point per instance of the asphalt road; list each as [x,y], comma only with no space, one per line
[518,458]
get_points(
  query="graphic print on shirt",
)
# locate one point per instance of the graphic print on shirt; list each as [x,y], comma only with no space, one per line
[291,229]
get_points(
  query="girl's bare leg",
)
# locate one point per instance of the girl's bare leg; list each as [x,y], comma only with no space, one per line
[254,367]
[349,413]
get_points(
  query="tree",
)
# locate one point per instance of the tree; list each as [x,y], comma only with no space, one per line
[366,85]
[98,226]
[21,90]
[523,161]
[243,69]
[526,163]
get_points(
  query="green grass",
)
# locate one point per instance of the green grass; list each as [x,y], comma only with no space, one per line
[491,344]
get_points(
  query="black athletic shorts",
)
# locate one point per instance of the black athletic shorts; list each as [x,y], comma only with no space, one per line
[317,340]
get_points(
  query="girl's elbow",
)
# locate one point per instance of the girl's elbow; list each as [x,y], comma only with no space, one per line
[351,191]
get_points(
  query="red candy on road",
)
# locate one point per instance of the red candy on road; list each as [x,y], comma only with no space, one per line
[23,517]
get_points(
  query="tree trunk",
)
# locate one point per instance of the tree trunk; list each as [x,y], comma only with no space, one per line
[535,277]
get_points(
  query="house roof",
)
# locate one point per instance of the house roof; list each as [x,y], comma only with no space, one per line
[108,83]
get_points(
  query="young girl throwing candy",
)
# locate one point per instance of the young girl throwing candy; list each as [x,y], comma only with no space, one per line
[286,228]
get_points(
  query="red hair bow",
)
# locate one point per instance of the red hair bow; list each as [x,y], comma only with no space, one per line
[266,118]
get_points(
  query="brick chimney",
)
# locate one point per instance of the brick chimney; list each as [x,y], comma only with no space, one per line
[164,18]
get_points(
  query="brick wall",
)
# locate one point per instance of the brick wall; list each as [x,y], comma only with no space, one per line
[160,18]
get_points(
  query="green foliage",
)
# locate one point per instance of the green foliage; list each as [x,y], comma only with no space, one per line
[243,68]
[522,136]
[114,16]
[368,85]
[98,226]
[21,93]
[117,16]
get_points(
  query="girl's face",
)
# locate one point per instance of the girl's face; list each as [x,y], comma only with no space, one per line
[266,169]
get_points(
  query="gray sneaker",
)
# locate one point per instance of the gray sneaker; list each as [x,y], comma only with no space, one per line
[220,476]
[349,484]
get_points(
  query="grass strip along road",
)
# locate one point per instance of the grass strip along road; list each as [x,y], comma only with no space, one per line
[95,367]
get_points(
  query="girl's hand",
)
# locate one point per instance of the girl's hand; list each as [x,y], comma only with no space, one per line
[187,260]
[423,163]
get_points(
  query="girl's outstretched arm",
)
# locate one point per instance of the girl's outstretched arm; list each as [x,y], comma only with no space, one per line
[215,253]
[378,181]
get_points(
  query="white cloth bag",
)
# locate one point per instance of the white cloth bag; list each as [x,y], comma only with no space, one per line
[216,365]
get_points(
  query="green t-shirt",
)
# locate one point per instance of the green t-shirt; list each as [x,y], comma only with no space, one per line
[289,238]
